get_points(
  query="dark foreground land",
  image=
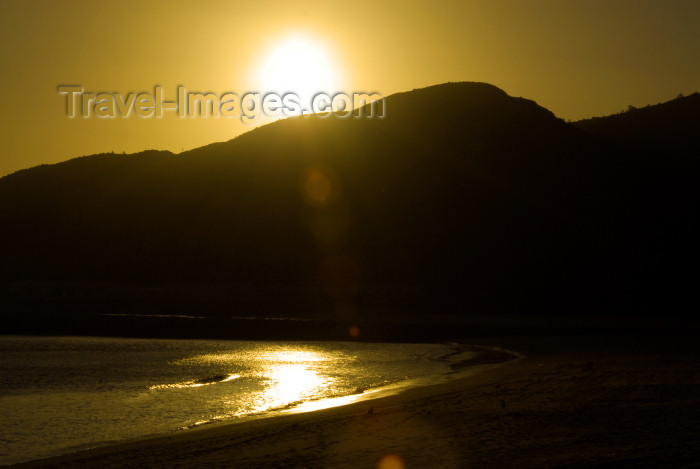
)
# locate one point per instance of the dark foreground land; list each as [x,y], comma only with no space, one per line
[601,401]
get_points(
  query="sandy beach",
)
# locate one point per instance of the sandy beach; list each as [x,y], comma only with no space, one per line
[628,401]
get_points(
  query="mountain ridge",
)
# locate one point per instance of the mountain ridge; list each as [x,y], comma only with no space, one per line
[476,200]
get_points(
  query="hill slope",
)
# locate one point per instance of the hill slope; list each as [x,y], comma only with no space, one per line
[670,127]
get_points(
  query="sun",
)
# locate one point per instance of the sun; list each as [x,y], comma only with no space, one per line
[299,65]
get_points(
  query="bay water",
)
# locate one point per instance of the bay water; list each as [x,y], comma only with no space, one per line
[62,394]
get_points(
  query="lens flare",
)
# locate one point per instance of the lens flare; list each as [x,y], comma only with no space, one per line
[320,187]
[391,461]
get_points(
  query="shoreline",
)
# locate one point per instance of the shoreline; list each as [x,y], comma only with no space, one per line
[477,358]
[570,402]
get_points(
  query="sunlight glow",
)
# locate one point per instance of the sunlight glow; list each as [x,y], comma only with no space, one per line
[301,66]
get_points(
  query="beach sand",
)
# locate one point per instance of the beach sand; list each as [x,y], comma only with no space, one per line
[572,402]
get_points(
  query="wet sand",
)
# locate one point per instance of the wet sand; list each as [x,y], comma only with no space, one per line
[571,402]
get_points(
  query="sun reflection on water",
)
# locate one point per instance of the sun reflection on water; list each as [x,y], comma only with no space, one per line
[196,383]
[290,383]
[293,356]
[270,377]
[293,377]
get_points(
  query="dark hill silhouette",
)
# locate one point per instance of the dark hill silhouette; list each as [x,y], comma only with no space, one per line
[663,143]
[670,128]
[461,199]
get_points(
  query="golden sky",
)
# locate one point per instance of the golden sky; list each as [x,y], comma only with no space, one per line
[577,58]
